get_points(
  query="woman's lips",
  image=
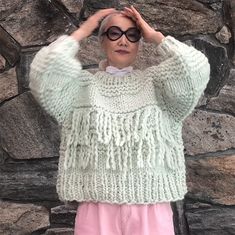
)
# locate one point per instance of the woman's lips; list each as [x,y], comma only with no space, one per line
[123,52]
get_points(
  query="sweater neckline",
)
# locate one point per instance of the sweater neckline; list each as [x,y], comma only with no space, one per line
[107,79]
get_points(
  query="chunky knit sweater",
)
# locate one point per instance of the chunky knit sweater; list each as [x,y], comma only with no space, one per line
[121,137]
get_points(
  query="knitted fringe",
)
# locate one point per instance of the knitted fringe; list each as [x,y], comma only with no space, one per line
[126,140]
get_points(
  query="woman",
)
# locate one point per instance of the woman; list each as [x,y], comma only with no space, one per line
[121,152]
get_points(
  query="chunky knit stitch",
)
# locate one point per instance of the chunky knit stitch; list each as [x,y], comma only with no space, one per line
[121,139]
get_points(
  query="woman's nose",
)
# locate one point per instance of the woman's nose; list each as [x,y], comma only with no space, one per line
[123,40]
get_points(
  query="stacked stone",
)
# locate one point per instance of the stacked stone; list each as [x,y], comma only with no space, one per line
[29,138]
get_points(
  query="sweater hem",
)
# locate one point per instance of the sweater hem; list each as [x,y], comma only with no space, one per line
[130,188]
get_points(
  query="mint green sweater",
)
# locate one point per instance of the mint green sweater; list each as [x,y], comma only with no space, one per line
[121,137]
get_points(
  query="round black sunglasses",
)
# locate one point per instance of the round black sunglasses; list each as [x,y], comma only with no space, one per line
[114,33]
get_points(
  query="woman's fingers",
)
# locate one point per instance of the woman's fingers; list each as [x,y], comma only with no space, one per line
[129,12]
[136,12]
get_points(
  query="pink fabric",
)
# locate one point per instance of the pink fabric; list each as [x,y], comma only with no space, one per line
[113,219]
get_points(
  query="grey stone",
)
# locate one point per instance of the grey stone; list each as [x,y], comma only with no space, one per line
[205,132]
[25,180]
[91,6]
[225,101]
[212,179]
[178,17]
[22,219]
[9,49]
[210,1]
[180,222]
[224,35]
[218,60]
[60,231]
[73,6]
[8,85]
[63,214]
[210,219]
[231,4]
[27,131]
[23,67]
[231,81]
[40,21]
[2,63]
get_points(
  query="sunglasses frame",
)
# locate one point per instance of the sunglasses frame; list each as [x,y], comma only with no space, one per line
[122,32]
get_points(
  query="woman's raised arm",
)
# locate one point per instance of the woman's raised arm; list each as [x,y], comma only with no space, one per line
[182,75]
[55,72]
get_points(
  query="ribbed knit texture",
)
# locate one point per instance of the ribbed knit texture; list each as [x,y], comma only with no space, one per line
[121,137]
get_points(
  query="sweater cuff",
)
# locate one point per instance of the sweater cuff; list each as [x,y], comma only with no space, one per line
[65,44]
[169,46]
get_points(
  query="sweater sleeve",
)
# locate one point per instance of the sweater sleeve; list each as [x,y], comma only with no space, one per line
[180,78]
[53,78]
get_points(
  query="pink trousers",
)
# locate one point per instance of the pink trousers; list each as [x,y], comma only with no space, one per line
[114,219]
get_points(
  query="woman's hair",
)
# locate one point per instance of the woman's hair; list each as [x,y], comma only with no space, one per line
[105,21]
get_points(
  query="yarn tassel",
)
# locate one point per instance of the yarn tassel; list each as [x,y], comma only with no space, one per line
[168,142]
[140,163]
[126,138]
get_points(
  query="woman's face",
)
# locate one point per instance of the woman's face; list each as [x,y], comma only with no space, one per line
[120,53]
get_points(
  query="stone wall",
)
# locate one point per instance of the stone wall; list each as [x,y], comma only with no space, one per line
[29,138]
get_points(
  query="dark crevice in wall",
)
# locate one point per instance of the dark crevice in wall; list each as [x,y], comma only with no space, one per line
[191,199]
[204,108]
[9,49]
[219,153]
[9,99]
[57,4]
[90,66]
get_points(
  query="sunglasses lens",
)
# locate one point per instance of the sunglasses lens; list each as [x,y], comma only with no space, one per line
[114,33]
[133,34]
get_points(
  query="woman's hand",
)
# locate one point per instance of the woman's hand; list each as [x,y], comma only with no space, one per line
[91,24]
[149,33]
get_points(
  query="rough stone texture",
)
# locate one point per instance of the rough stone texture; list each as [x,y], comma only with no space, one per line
[9,49]
[212,179]
[2,64]
[205,132]
[219,62]
[73,6]
[27,180]
[207,219]
[216,5]
[64,214]
[190,17]
[23,123]
[40,21]
[224,35]
[60,231]
[8,85]
[180,222]
[232,14]
[91,6]
[23,67]
[225,101]
[15,218]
